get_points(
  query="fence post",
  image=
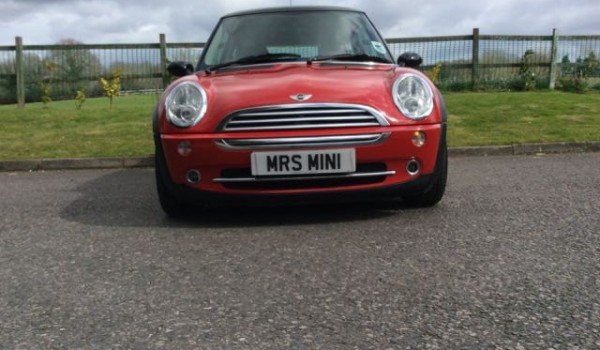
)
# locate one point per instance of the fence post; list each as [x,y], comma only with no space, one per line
[475,59]
[553,57]
[19,71]
[163,60]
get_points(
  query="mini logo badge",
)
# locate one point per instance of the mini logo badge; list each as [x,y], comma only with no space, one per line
[300,97]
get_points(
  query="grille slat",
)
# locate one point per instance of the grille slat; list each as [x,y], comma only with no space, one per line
[300,142]
[303,116]
[330,111]
[297,127]
[316,119]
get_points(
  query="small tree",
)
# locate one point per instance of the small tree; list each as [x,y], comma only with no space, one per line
[45,92]
[45,82]
[79,98]
[526,74]
[576,76]
[112,87]
[566,67]
[590,65]
[75,64]
[434,73]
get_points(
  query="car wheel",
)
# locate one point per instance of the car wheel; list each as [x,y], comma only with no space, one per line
[171,204]
[434,194]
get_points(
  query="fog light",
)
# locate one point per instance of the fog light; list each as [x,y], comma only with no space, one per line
[193,176]
[412,167]
[184,148]
[418,138]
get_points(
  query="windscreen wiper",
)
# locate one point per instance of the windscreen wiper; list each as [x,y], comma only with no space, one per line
[351,57]
[264,58]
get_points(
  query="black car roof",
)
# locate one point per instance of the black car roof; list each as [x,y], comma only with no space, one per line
[291,9]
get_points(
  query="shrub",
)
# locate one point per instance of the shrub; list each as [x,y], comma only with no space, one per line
[79,98]
[526,74]
[578,76]
[45,92]
[112,87]
[49,67]
[434,73]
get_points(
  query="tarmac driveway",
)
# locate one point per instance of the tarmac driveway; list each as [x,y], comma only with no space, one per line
[510,259]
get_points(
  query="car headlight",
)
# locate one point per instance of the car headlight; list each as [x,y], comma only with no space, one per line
[186,104]
[413,96]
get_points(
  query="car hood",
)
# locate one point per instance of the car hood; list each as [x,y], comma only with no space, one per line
[274,85]
[239,88]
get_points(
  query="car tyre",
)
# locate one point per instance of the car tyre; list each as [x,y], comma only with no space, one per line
[173,206]
[433,194]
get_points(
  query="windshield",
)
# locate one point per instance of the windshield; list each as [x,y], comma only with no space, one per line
[293,36]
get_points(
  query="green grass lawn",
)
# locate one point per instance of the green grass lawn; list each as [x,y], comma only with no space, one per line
[58,130]
[522,117]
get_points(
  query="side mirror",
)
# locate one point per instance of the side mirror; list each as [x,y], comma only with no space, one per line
[410,59]
[180,69]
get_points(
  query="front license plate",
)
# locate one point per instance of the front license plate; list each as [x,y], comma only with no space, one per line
[303,162]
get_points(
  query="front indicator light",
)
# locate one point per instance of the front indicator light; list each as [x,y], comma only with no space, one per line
[184,148]
[418,138]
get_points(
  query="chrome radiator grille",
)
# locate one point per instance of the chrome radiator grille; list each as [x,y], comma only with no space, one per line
[300,142]
[303,116]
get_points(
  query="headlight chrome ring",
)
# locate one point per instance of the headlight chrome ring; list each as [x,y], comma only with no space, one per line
[186,104]
[413,96]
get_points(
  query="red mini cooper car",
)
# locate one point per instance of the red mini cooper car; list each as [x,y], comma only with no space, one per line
[298,104]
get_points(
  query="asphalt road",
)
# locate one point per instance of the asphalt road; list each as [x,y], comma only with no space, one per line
[510,259]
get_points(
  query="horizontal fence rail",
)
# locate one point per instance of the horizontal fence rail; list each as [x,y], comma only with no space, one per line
[464,62]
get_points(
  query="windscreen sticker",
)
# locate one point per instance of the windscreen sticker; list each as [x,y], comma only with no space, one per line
[378,47]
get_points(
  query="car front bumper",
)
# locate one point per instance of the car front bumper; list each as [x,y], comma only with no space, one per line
[222,163]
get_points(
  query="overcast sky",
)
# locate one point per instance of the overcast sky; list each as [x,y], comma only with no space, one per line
[114,21]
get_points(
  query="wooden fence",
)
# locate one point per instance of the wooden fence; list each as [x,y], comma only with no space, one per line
[466,62]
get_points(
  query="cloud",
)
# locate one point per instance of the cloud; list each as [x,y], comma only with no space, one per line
[113,21]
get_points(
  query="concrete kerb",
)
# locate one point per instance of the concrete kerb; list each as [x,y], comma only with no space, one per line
[527,149]
[148,161]
[76,163]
